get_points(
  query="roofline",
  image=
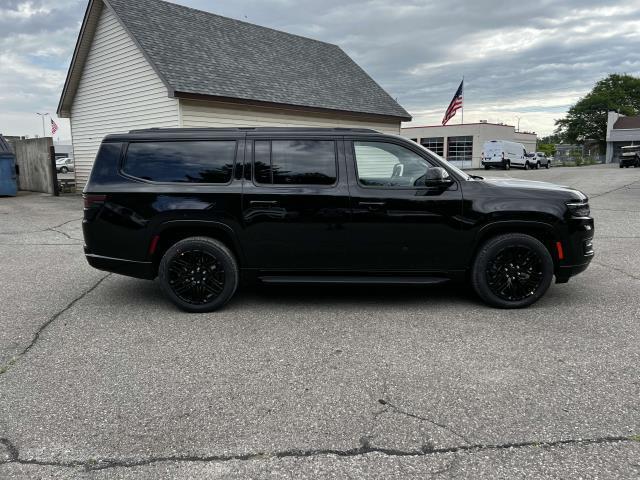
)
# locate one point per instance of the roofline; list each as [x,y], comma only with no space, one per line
[74,58]
[305,108]
[464,125]
[72,66]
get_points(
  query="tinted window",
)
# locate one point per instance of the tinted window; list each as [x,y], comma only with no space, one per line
[295,162]
[190,162]
[388,165]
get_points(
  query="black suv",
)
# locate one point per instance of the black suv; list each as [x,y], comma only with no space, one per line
[202,209]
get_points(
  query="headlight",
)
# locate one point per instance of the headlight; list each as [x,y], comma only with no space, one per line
[577,209]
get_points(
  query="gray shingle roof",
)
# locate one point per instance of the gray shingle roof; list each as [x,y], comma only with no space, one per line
[627,122]
[196,52]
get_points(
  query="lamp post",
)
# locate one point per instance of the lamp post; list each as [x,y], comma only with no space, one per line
[42,115]
[518,123]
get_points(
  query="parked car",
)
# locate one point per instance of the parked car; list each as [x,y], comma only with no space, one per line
[541,160]
[630,156]
[504,154]
[202,209]
[64,165]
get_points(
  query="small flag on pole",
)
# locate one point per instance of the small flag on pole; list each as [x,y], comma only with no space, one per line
[455,105]
[54,127]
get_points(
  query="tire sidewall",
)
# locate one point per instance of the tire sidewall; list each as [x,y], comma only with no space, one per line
[223,255]
[491,248]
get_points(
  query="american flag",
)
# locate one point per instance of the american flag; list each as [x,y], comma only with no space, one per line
[455,105]
[54,127]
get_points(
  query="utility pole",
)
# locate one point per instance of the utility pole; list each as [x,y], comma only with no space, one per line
[518,124]
[42,115]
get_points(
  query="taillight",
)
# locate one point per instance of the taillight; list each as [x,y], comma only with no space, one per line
[93,200]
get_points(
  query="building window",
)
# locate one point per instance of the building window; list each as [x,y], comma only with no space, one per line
[460,151]
[435,144]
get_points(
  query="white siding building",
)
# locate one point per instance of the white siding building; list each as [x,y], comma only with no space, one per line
[150,63]
[621,131]
[461,144]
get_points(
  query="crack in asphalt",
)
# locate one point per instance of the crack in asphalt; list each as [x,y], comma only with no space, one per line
[612,190]
[364,449]
[604,265]
[5,368]
[39,244]
[53,228]
[399,410]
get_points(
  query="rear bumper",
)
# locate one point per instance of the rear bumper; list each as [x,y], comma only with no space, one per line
[130,268]
[494,163]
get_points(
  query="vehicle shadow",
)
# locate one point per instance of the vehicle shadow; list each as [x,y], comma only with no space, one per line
[278,296]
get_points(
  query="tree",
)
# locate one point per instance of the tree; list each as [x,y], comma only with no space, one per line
[548,148]
[587,119]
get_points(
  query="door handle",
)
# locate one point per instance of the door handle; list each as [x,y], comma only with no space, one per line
[263,203]
[372,205]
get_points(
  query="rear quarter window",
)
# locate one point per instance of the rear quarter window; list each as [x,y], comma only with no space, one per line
[181,162]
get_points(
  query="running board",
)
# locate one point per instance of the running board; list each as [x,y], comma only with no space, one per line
[358,280]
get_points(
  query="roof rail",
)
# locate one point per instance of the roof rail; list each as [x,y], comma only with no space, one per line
[252,129]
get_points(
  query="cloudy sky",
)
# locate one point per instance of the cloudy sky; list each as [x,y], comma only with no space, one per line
[520,59]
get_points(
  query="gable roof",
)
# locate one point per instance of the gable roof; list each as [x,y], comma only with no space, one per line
[197,53]
[627,122]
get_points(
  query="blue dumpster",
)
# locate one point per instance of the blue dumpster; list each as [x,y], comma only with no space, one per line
[8,178]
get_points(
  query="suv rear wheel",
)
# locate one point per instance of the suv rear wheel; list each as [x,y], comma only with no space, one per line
[198,274]
[512,271]
[507,165]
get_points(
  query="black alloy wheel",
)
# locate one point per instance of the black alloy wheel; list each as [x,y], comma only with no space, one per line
[196,276]
[512,271]
[515,273]
[199,274]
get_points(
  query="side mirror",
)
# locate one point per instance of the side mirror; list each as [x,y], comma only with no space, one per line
[437,177]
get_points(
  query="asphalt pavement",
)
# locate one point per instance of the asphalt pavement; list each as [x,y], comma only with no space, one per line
[101,377]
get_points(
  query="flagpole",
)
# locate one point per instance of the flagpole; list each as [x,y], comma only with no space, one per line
[462,109]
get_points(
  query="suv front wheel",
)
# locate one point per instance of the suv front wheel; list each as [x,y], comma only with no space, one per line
[198,274]
[512,271]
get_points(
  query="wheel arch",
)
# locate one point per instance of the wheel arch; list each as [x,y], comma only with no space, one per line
[541,231]
[173,231]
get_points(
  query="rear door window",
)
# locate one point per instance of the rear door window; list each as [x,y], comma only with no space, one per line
[295,162]
[182,162]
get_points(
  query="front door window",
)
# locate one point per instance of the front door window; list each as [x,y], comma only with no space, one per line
[388,165]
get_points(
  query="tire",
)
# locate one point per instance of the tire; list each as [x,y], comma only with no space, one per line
[538,166]
[490,271]
[621,165]
[214,285]
[507,165]
[526,165]
[64,170]
[547,165]
[487,167]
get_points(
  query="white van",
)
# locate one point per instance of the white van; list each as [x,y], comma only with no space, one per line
[501,153]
